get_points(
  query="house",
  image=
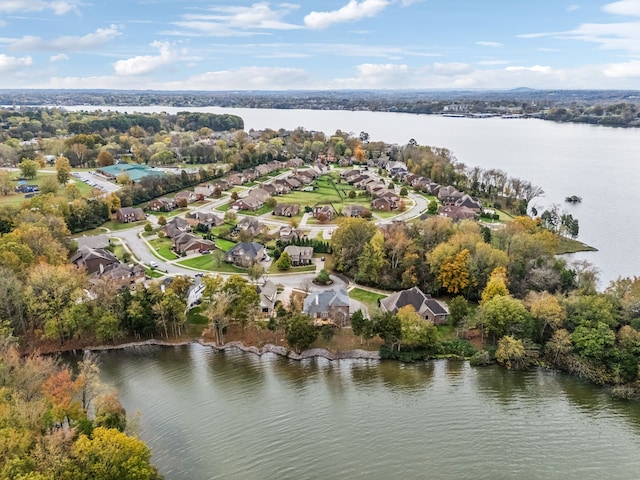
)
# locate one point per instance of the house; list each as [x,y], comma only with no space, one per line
[328,306]
[259,194]
[205,190]
[130,214]
[222,184]
[355,211]
[176,226]
[282,186]
[208,219]
[456,213]
[449,195]
[187,243]
[425,306]
[245,254]
[251,225]
[469,202]
[299,255]
[270,188]
[93,259]
[248,203]
[348,173]
[236,179]
[288,234]
[286,210]
[267,293]
[396,169]
[262,170]
[382,203]
[162,204]
[121,274]
[293,183]
[309,173]
[326,210]
[188,197]
[295,162]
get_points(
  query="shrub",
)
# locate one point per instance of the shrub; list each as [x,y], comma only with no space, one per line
[480,359]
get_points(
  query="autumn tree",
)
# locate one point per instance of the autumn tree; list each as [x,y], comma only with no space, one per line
[415,331]
[28,168]
[497,285]
[105,158]
[63,170]
[511,353]
[502,315]
[454,272]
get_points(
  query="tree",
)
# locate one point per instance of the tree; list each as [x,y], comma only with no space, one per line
[502,315]
[348,242]
[28,168]
[595,343]
[559,344]
[216,312]
[454,273]
[546,308]
[432,208]
[414,330]
[458,310]
[284,262]
[255,272]
[105,158]
[511,353]
[372,260]
[388,327]
[497,285]
[63,169]
[49,185]
[300,332]
[5,182]
[109,454]
[162,220]
[361,326]
[170,312]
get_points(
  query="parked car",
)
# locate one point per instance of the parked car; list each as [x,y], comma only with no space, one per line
[153,264]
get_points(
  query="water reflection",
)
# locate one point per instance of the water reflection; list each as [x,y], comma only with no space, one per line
[406,378]
[235,372]
[455,368]
[504,386]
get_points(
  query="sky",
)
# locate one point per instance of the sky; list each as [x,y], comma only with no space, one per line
[322,44]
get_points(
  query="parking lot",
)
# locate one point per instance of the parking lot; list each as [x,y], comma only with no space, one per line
[96,182]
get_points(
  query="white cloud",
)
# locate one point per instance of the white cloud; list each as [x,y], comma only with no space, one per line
[534,68]
[352,11]
[610,36]
[572,8]
[144,64]
[624,7]
[247,78]
[67,43]
[493,62]
[451,69]
[59,57]
[11,64]
[238,20]
[623,70]
[490,44]
[59,7]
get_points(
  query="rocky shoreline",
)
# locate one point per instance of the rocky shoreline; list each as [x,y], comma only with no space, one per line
[268,348]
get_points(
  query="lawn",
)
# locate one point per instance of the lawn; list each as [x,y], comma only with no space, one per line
[225,207]
[172,213]
[370,299]
[15,198]
[224,245]
[162,247]
[153,273]
[261,211]
[116,225]
[194,316]
[303,269]
[567,245]
[208,262]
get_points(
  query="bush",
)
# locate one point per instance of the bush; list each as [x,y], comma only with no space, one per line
[459,348]
[481,359]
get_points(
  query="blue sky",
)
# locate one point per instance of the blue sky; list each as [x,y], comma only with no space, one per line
[323,44]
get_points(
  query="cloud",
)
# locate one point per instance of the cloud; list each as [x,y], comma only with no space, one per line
[237,20]
[11,64]
[67,43]
[59,7]
[610,36]
[623,70]
[59,57]
[490,44]
[451,69]
[572,8]
[493,62]
[247,78]
[145,64]
[3,23]
[624,7]
[352,11]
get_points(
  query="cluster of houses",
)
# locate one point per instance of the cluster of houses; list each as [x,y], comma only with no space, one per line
[383,197]
[101,264]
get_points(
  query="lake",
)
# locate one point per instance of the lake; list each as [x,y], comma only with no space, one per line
[231,415]
[599,164]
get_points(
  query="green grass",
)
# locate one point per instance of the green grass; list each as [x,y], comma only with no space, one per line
[170,214]
[15,198]
[567,245]
[225,207]
[303,269]
[370,299]
[116,225]
[162,246]
[207,262]
[224,245]
[195,317]
[153,273]
[261,211]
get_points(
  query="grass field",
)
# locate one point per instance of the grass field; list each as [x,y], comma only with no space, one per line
[370,299]
[224,245]
[303,269]
[208,262]
[162,247]
[172,213]
[15,198]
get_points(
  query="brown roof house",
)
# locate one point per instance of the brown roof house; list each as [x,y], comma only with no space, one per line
[326,210]
[427,307]
[355,211]
[267,293]
[328,306]
[130,214]
[382,203]
[122,274]
[187,243]
[260,194]
[189,197]
[93,259]
[176,226]
[287,233]
[162,204]
[286,210]
[248,203]
[299,255]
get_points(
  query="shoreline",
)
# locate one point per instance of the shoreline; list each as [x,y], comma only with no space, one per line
[268,348]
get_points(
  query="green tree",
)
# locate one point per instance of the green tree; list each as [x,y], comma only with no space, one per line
[458,310]
[300,332]
[28,168]
[348,242]
[414,330]
[502,315]
[49,185]
[148,228]
[594,342]
[432,208]
[361,326]
[284,262]
[5,182]
[387,326]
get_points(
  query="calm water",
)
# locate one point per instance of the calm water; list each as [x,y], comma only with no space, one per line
[211,415]
[599,164]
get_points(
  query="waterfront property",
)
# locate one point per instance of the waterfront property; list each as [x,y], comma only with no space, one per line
[328,306]
[427,307]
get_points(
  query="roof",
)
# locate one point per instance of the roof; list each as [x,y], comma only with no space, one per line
[414,297]
[246,248]
[294,250]
[321,301]
[135,171]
